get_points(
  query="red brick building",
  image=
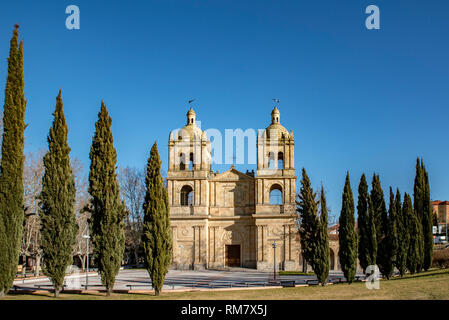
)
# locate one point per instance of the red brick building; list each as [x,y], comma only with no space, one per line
[441,208]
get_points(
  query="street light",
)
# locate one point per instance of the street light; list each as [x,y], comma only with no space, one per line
[87,237]
[274,262]
[180,254]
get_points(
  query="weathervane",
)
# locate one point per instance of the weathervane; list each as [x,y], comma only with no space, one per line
[275,101]
[190,101]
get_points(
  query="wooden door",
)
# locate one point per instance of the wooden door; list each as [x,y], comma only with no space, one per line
[232,256]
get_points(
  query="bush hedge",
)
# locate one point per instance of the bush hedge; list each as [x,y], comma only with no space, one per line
[441,258]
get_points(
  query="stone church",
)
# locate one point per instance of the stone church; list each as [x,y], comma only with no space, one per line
[232,219]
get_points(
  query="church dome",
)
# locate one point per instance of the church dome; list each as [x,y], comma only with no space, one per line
[276,127]
[190,129]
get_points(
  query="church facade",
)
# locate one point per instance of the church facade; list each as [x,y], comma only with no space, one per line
[233,219]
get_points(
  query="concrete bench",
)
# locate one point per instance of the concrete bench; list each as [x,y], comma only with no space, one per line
[288,283]
[138,285]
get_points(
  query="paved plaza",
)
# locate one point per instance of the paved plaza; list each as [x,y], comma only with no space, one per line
[138,279]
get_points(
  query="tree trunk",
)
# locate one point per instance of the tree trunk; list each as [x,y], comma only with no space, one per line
[24,265]
[157,291]
[83,262]
[136,258]
[2,293]
[108,291]
[38,265]
[56,293]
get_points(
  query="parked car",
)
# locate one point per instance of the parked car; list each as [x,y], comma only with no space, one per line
[439,241]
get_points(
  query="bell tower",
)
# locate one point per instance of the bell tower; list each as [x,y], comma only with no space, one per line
[188,170]
[276,178]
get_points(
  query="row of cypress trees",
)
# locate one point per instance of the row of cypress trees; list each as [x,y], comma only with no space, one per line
[399,238]
[313,228]
[57,198]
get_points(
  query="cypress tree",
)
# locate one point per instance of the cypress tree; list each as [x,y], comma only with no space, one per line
[418,205]
[414,229]
[372,243]
[347,234]
[380,215]
[57,202]
[322,253]
[307,208]
[403,236]
[364,230]
[107,210]
[427,221]
[11,166]
[156,238]
[388,247]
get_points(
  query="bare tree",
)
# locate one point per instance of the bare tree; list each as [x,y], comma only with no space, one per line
[31,241]
[82,217]
[81,184]
[80,248]
[31,245]
[132,188]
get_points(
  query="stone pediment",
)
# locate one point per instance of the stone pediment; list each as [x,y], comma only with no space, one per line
[232,175]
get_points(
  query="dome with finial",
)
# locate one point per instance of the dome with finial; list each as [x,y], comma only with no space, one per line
[275,126]
[191,112]
[191,128]
[191,116]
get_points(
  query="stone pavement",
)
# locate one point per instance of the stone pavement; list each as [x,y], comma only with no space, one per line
[138,279]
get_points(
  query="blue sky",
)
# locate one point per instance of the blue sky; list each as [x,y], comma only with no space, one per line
[357,99]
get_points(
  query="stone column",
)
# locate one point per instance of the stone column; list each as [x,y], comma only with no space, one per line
[175,261]
[212,255]
[197,193]
[289,264]
[287,156]
[195,248]
[262,263]
[198,238]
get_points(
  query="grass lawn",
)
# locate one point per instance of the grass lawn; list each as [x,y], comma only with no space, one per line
[433,284]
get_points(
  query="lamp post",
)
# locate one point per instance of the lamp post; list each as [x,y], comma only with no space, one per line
[180,254]
[274,259]
[87,237]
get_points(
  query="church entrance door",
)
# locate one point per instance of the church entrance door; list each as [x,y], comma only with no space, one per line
[232,258]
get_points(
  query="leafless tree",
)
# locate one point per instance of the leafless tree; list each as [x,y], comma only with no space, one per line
[82,217]
[31,241]
[80,248]
[31,245]
[132,188]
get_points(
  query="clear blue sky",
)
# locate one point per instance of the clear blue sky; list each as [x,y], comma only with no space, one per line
[356,99]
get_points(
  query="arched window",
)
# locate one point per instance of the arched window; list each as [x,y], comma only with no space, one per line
[271,160]
[280,160]
[276,194]
[182,161]
[187,196]
[191,166]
